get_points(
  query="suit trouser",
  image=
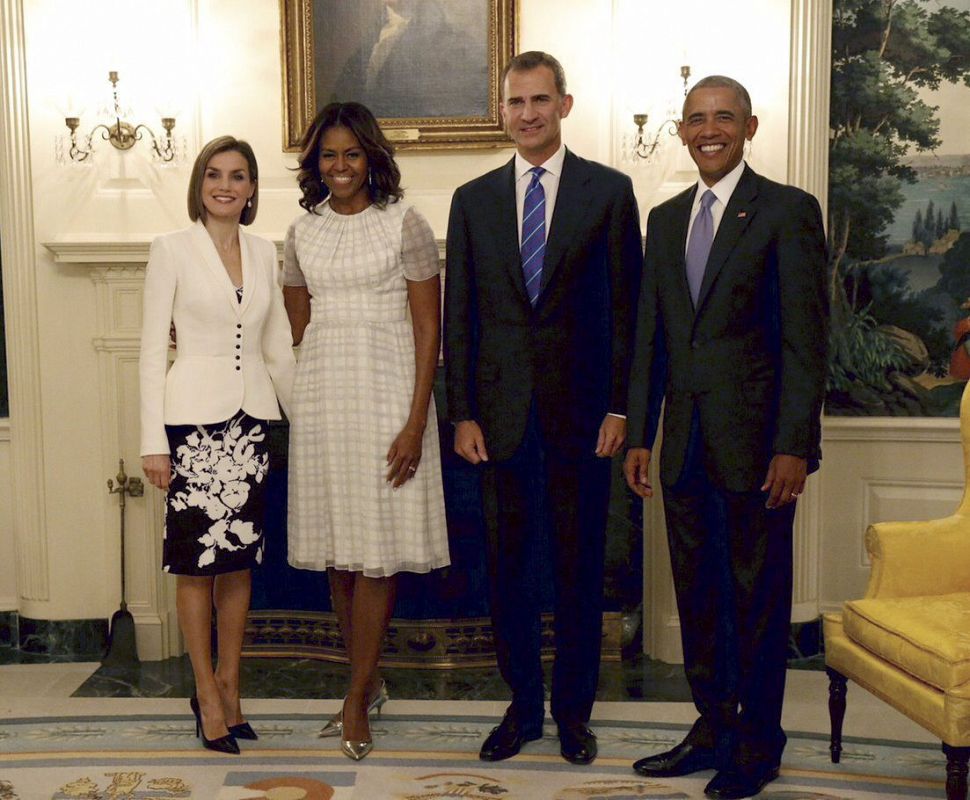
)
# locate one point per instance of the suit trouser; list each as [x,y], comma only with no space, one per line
[519,494]
[732,567]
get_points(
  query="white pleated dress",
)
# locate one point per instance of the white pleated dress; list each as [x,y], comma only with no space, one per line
[352,396]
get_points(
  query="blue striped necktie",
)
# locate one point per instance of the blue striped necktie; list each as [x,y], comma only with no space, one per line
[533,234]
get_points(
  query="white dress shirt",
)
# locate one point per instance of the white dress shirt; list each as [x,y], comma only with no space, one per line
[549,180]
[723,190]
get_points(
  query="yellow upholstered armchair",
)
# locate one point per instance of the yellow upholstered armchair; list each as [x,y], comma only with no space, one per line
[908,640]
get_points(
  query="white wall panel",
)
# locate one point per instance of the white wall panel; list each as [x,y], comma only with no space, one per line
[9,600]
[877,470]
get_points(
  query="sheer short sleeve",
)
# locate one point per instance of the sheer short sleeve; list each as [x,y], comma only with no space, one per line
[419,251]
[292,274]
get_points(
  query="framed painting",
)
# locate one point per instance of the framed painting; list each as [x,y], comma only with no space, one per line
[428,69]
[899,209]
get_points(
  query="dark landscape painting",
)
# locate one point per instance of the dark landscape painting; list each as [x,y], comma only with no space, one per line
[404,59]
[899,207]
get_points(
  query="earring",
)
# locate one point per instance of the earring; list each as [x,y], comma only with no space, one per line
[370,179]
[249,203]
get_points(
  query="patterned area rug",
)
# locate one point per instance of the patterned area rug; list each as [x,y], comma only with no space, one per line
[416,757]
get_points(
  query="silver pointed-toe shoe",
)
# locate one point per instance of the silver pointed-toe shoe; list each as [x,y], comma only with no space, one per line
[335,725]
[355,750]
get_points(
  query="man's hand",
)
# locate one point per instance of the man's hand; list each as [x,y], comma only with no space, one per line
[636,469]
[470,441]
[785,480]
[612,435]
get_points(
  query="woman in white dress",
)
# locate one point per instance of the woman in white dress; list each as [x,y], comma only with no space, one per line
[362,291]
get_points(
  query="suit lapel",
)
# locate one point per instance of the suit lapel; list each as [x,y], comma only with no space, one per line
[506,226]
[210,257]
[571,205]
[678,235]
[737,216]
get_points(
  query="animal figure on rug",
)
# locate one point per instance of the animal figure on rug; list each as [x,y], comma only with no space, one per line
[82,788]
[174,787]
[123,784]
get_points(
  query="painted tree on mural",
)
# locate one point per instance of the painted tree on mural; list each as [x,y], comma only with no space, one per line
[884,51]
[954,269]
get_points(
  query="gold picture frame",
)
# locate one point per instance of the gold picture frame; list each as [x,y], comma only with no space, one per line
[430,73]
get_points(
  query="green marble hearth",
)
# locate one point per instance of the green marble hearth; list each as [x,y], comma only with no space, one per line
[56,640]
[636,678]
[292,639]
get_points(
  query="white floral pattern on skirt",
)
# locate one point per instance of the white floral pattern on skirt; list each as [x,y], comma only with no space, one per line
[214,508]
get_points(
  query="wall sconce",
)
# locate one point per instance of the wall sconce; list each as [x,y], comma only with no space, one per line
[121,133]
[644,146]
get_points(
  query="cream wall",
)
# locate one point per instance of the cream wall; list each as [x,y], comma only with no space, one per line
[217,62]
[229,81]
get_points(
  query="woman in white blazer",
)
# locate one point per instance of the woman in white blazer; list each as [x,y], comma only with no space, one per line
[204,420]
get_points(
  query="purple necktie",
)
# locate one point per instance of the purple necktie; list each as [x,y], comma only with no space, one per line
[533,234]
[699,245]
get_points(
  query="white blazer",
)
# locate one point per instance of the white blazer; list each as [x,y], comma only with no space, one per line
[229,355]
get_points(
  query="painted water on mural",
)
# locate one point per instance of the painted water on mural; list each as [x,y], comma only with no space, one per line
[934,266]
[919,291]
[942,190]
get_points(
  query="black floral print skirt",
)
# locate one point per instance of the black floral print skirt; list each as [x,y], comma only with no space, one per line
[214,507]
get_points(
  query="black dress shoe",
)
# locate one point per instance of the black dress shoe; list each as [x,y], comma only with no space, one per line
[223,744]
[507,738]
[243,731]
[738,782]
[684,759]
[577,743]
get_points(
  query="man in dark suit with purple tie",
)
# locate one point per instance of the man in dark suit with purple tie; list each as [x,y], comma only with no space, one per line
[732,333]
[543,268]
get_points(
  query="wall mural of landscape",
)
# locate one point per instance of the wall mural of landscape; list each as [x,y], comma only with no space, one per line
[899,207]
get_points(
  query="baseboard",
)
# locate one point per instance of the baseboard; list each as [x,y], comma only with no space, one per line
[148,636]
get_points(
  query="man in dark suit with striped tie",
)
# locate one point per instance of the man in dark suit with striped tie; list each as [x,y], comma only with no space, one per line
[732,331]
[543,268]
